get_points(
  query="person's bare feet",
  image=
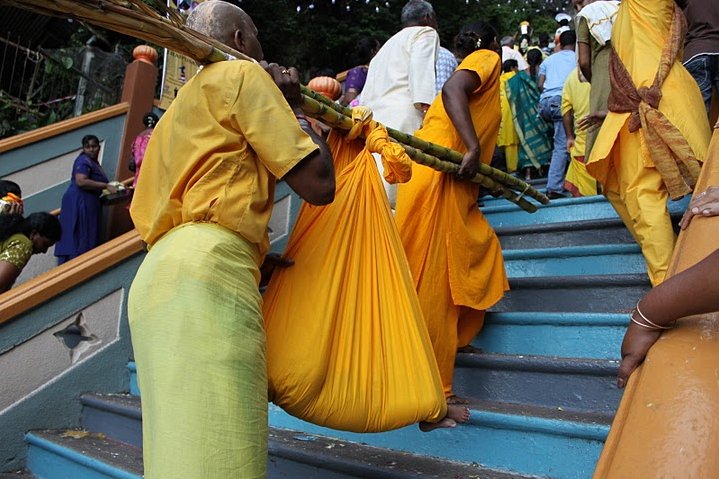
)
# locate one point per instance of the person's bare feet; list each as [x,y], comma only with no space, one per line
[454,400]
[469,349]
[459,414]
[444,423]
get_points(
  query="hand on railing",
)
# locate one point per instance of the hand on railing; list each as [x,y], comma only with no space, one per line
[703,204]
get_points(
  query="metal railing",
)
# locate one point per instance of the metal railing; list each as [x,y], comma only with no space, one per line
[39,87]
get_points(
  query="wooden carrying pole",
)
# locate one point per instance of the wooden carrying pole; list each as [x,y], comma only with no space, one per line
[165,27]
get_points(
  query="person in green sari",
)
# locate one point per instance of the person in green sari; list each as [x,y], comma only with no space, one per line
[536,150]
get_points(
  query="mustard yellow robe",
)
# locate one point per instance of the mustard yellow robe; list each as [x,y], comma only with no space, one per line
[454,255]
[508,137]
[619,159]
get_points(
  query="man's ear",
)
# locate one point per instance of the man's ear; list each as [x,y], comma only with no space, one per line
[239,41]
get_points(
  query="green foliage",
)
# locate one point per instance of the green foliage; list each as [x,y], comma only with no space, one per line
[322,33]
[16,118]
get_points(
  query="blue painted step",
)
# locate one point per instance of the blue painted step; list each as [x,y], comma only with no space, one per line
[502,427]
[562,210]
[533,441]
[55,455]
[292,454]
[572,335]
[574,261]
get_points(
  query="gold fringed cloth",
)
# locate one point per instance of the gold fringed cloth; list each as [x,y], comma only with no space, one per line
[668,149]
[347,347]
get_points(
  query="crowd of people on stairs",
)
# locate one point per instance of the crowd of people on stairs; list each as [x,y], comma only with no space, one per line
[597,113]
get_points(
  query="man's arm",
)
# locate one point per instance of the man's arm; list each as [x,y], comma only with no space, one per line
[584,57]
[421,74]
[540,82]
[8,274]
[584,52]
[568,123]
[313,178]
[667,303]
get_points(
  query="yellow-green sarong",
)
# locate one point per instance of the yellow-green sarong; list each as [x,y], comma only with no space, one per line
[196,323]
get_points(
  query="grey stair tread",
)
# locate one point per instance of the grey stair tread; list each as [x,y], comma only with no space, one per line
[327,453]
[368,461]
[564,226]
[551,282]
[562,414]
[549,364]
[594,232]
[585,386]
[608,293]
[98,446]
[16,475]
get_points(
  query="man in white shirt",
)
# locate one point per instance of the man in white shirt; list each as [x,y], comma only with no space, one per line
[401,77]
[509,53]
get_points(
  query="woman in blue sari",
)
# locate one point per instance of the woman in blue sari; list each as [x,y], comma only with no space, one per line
[81,212]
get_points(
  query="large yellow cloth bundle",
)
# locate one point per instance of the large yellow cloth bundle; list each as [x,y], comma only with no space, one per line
[347,347]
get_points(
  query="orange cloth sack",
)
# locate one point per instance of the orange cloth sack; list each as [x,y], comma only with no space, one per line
[347,347]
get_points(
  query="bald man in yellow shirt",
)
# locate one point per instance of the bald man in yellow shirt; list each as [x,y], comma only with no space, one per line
[202,205]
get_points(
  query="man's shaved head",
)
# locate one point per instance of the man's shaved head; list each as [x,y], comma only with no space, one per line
[222,20]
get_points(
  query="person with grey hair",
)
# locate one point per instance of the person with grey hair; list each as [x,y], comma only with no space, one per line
[202,205]
[509,53]
[400,82]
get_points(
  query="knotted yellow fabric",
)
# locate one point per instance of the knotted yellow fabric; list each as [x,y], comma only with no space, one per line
[397,166]
[668,150]
[347,347]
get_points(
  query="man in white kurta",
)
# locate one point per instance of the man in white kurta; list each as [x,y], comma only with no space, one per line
[401,77]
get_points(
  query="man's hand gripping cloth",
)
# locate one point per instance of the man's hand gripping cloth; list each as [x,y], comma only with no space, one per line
[347,346]
[668,150]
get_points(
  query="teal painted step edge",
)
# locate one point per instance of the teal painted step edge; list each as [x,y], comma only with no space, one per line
[558,319]
[134,388]
[46,459]
[507,206]
[571,251]
[574,260]
[569,335]
[519,444]
[562,211]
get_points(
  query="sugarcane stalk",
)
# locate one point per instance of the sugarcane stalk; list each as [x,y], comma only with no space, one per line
[145,23]
[335,119]
[445,166]
[438,151]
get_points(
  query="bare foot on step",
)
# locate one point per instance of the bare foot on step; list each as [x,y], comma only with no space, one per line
[445,423]
[458,413]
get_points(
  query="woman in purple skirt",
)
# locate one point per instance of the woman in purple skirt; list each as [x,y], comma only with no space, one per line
[81,211]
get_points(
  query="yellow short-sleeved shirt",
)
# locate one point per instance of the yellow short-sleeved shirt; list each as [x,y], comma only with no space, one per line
[16,250]
[483,106]
[575,96]
[215,154]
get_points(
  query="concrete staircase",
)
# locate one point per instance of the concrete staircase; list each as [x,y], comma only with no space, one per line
[543,393]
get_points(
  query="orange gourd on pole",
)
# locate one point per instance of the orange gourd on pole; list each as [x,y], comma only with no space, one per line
[326,86]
